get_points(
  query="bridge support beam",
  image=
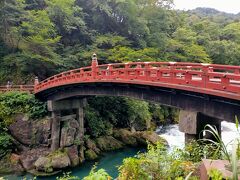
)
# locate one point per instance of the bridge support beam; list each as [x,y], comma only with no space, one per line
[55,107]
[55,134]
[193,123]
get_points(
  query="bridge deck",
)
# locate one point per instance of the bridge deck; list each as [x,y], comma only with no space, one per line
[217,80]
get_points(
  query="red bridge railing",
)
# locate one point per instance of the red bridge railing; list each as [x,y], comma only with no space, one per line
[218,80]
[22,88]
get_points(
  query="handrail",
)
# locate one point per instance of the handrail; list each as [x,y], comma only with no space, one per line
[24,88]
[222,79]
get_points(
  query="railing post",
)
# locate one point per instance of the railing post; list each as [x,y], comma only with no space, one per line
[126,71]
[94,66]
[225,82]
[205,76]
[36,82]
[147,71]
[172,68]
[109,71]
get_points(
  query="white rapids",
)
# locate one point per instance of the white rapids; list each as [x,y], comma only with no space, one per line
[175,138]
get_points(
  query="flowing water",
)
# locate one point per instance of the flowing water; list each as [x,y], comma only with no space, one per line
[110,161]
[175,138]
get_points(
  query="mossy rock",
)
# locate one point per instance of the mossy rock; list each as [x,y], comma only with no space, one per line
[54,161]
[125,136]
[90,155]
[146,137]
[8,166]
[108,143]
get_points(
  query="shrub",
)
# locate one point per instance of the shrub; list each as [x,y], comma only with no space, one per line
[156,163]
[97,126]
[101,174]
[5,143]
[18,102]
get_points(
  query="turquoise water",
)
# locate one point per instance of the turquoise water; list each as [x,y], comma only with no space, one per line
[109,161]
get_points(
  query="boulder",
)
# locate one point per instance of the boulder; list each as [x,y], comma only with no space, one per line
[108,143]
[29,157]
[125,136]
[72,153]
[148,136]
[90,144]
[67,136]
[54,161]
[69,132]
[43,164]
[90,154]
[60,161]
[30,132]
[81,154]
[10,164]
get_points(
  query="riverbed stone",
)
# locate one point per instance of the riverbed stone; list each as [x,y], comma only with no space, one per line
[125,136]
[143,137]
[43,164]
[60,161]
[108,143]
[72,153]
[29,157]
[90,144]
[90,155]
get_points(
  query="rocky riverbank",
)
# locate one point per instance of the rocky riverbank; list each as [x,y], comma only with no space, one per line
[32,146]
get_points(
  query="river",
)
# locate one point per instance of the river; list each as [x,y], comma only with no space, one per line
[111,160]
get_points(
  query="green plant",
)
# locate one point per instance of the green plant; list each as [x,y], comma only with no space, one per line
[196,150]
[67,176]
[5,143]
[156,163]
[101,174]
[12,103]
[232,157]
[215,174]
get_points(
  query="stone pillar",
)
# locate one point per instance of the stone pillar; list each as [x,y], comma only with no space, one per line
[193,123]
[55,131]
[80,118]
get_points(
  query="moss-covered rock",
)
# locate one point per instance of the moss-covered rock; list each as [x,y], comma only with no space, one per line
[10,165]
[73,155]
[43,164]
[125,136]
[90,144]
[108,143]
[90,155]
[54,161]
[143,137]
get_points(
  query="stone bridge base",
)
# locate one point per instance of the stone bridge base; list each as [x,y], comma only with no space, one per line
[61,137]
[193,124]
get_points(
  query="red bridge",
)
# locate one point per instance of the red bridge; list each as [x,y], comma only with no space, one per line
[211,79]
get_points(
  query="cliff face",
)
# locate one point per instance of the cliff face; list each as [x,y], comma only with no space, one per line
[32,142]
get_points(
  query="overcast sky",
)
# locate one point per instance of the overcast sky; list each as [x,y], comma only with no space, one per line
[230,6]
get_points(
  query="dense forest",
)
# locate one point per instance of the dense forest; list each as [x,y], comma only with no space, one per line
[43,37]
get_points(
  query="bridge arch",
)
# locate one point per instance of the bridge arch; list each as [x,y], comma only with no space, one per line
[213,106]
